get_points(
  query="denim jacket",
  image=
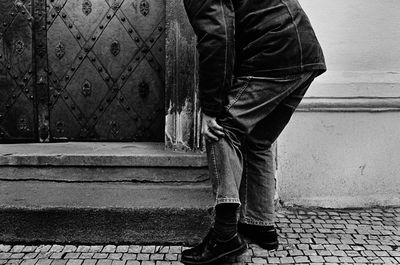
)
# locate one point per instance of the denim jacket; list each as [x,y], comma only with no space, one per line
[263,38]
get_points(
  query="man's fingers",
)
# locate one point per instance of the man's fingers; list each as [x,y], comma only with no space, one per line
[210,136]
[217,132]
[216,128]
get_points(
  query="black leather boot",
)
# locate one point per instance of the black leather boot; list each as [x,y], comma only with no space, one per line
[213,251]
[265,238]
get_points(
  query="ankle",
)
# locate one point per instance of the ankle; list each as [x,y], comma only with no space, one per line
[225,225]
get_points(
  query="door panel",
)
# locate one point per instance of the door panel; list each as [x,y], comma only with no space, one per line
[17,109]
[89,70]
[106,62]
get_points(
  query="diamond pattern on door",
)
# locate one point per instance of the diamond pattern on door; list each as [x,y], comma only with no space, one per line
[115,48]
[17,112]
[86,24]
[106,61]
[86,89]
[62,49]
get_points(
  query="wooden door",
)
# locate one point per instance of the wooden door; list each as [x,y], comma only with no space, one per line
[103,77]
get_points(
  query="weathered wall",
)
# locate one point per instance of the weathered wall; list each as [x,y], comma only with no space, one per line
[341,147]
[182,113]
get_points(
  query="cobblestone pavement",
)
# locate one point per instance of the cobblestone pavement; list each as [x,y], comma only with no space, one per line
[370,236]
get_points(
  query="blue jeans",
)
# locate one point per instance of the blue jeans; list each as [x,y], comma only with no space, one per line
[241,164]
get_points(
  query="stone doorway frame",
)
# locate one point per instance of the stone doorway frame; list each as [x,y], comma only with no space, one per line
[182,116]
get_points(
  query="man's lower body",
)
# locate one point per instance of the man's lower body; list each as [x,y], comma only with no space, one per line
[242,164]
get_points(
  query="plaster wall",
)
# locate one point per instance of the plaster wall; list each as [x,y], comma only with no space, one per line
[337,159]
[341,148]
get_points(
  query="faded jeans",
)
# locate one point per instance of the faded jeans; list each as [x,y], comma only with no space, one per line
[241,164]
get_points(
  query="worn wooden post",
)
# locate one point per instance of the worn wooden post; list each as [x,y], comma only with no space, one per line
[182,129]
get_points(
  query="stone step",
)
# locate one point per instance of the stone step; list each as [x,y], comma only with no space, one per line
[100,162]
[101,193]
[102,213]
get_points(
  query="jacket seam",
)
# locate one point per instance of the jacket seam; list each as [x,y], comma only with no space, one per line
[239,94]
[292,67]
[297,33]
[226,44]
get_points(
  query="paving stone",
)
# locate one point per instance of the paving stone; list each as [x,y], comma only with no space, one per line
[360,260]
[43,248]
[316,259]
[29,248]
[4,248]
[29,262]
[259,252]
[175,249]
[148,249]
[159,262]
[156,256]
[71,255]
[148,262]
[88,262]
[381,253]
[100,255]
[272,260]
[310,252]
[301,259]
[17,256]
[142,256]
[115,256]
[69,248]
[109,249]
[171,257]
[389,260]
[14,262]
[134,249]
[132,262]
[287,260]
[86,255]
[331,259]
[74,262]
[123,249]
[95,249]
[59,262]
[258,260]
[17,248]
[346,260]
[5,255]
[394,253]
[103,262]
[56,248]
[118,262]
[56,255]
[31,255]
[129,256]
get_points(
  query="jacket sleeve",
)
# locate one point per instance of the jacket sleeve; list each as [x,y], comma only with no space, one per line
[213,23]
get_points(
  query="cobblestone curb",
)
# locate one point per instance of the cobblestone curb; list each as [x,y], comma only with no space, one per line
[368,236]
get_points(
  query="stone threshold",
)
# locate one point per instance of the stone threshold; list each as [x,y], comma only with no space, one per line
[100,162]
[98,154]
[96,193]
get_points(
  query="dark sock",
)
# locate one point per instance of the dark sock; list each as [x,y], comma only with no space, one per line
[225,225]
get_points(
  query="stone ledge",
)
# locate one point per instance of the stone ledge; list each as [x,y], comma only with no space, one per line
[105,174]
[89,154]
[95,213]
[47,194]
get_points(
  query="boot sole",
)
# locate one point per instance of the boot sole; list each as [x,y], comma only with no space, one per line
[219,258]
[269,246]
[265,245]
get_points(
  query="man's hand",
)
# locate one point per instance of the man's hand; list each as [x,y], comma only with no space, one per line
[210,128]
